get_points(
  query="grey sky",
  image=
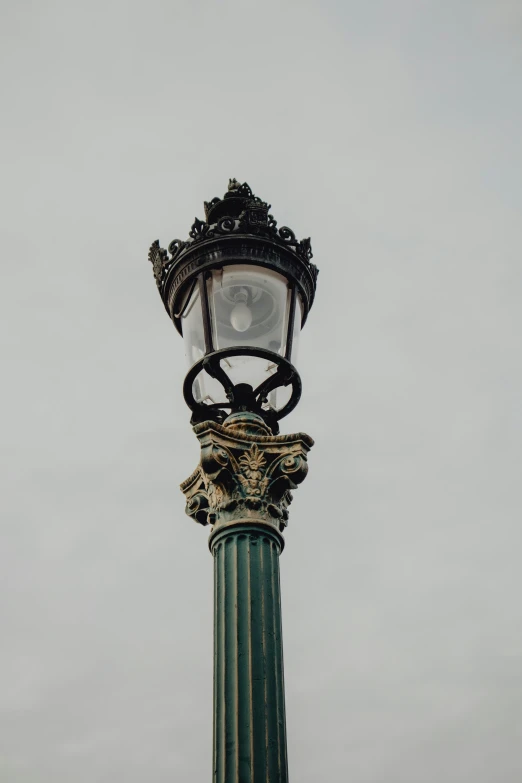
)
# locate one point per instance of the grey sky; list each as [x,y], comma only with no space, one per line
[390,133]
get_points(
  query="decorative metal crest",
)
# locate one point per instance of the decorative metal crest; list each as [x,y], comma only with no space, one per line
[248,215]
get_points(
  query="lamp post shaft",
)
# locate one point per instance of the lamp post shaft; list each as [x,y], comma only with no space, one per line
[242,487]
[249,703]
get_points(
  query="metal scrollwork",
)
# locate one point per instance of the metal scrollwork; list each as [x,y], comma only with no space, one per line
[287,235]
[199,229]
[176,247]
[226,225]
[238,212]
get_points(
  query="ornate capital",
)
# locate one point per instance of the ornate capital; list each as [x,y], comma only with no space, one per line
[245,473]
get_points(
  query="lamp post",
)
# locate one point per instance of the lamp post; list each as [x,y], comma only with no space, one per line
[239,291]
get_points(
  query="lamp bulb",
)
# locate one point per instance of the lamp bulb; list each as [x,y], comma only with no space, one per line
[241,317]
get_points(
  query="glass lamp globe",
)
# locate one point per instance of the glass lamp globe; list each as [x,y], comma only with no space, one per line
[247,307]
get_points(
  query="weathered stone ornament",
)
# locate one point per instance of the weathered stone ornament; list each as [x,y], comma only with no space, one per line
[246,474]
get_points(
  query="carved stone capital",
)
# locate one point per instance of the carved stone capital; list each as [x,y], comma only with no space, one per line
[246,474]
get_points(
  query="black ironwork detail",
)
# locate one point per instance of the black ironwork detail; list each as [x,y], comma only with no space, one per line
[159,258]
[209,204]
[291,319]
[176,247]
[241,396]
[199,229]
[238,214]
[160,262]
[252,219]
[208,257]
[244,190]
[225,226]
[301,248]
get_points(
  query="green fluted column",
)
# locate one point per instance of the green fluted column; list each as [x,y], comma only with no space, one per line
[249,700]
[242,487]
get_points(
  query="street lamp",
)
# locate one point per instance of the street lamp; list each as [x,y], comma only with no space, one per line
[239,291]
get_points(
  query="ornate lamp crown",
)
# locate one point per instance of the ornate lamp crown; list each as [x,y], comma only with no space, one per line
[238,213]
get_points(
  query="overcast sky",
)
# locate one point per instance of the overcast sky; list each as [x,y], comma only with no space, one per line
[389,132]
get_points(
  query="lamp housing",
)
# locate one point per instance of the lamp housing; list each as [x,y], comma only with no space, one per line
[239,291]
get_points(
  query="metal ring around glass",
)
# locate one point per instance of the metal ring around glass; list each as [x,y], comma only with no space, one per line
[242,395]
